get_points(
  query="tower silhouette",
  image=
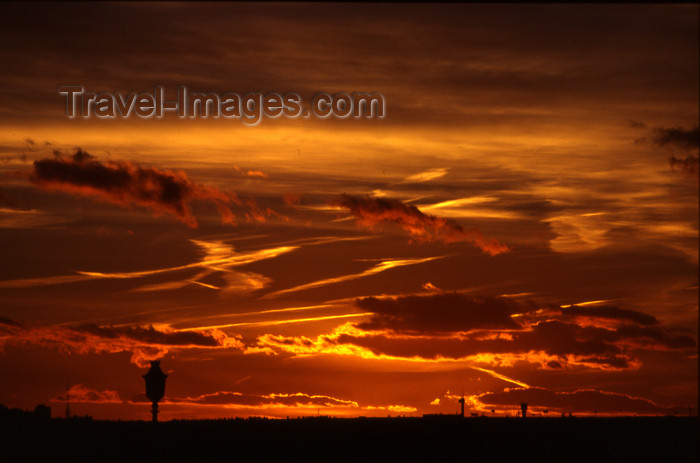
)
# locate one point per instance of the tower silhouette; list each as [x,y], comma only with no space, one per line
[523,407]
[67,400]
[461,403]
[155,386]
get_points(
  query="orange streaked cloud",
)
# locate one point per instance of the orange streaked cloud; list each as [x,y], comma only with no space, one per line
[256,313]
[256,173]
[282,322]
[502,377]
[474,207]
[370,212]
[426,176]
[29,218]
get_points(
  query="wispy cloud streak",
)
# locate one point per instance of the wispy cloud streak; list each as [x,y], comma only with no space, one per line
[218,257]
[378,268]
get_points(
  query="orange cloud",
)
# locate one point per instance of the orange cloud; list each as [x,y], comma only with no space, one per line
[256,173]
[431,287]
[370,212]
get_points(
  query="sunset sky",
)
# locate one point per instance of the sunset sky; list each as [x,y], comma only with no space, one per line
[521,226]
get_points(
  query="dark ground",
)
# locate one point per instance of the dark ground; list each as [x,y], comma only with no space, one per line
[429,439]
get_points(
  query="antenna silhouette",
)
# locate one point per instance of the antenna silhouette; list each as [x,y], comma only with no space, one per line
[67,400]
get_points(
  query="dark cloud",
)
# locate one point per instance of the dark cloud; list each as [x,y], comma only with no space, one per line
[561,339]
[680,139]
[439,313]
[677,137]
[656,335]
[611,313]
[581,401]
[149,335]
[126,184]
[370,212]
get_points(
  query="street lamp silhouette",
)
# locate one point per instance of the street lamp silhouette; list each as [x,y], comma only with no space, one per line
[155,386]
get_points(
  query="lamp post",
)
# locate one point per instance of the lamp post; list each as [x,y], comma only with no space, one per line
[155,386]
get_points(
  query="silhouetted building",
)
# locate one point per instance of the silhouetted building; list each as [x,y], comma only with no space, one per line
[461,403]
[155,386]
[523,407]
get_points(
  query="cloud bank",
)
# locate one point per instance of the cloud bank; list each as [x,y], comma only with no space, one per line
[492,331]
